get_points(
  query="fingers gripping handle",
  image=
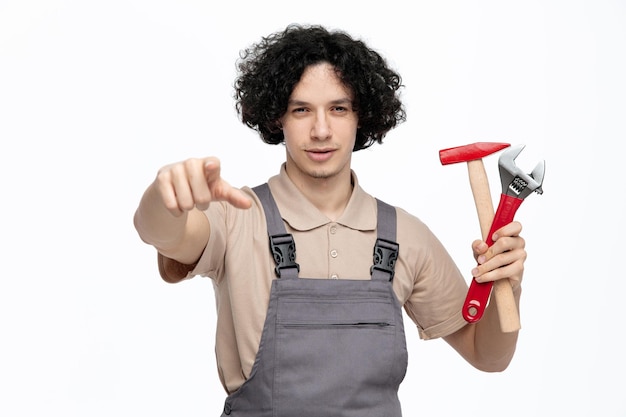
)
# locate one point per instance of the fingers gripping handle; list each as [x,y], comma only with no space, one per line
[479,292]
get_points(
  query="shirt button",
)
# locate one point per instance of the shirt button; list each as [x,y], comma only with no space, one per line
[333,230]
[333,253]
[334,276]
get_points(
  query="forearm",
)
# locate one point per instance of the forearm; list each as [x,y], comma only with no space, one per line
[180,237]
[494,349]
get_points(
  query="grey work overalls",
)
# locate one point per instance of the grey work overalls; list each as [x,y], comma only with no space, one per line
[329,348]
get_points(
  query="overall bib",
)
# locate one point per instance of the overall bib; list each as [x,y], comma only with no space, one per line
[329,348]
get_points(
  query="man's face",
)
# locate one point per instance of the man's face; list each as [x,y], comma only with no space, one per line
[319,126]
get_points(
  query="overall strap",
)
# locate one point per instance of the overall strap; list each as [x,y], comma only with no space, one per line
[282,245]
[386,249]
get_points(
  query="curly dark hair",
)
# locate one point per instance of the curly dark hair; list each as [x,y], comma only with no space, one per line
[270,69]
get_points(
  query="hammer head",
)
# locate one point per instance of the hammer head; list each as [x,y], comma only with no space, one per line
[470,152]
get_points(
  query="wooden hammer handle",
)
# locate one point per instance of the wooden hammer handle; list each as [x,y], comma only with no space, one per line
[502,290]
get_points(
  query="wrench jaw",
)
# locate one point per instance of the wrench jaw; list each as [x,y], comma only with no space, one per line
[537,175]
[515,182]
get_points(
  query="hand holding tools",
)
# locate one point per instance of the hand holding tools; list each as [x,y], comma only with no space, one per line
[516,186]
[472,154]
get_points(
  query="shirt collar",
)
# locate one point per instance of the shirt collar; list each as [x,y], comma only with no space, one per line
[302,215]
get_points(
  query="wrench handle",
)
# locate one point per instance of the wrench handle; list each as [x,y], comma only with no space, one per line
[479,292]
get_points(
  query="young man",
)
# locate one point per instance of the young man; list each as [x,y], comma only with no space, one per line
[310,324]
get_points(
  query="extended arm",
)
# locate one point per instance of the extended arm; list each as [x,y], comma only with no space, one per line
[169,216]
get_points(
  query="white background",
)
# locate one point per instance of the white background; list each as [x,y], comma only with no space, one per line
[95,96]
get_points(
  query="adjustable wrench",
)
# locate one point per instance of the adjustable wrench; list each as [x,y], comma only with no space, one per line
[516,186]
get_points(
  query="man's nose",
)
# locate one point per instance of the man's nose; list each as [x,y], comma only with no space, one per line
[321,127]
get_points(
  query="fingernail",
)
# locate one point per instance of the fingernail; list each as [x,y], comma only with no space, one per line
[475,272]
[481,259]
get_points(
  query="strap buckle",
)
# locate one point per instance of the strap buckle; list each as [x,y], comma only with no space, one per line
[283,250]
[385,256]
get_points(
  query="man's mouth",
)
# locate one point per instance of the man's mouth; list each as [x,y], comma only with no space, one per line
[319,155]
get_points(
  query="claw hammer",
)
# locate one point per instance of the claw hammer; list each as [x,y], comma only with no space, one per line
[473,154]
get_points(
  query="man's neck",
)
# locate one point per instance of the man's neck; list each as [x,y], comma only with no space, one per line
[329,195]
